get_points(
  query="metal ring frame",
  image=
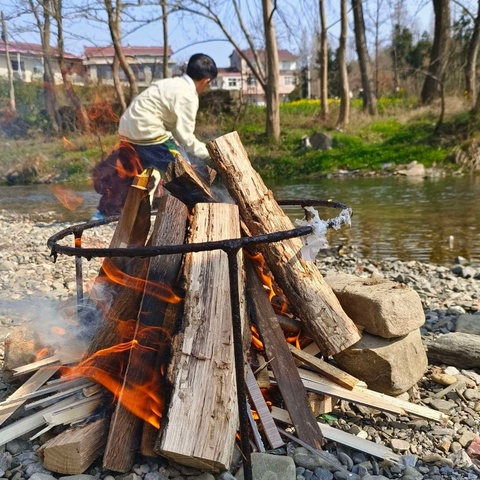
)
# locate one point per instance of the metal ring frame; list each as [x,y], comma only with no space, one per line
[231,247]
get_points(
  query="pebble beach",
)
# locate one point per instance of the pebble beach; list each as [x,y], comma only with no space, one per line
[32,287]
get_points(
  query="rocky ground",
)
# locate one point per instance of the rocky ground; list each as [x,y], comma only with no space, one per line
[32,287]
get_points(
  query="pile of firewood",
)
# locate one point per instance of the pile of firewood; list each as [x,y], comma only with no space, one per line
[167,353]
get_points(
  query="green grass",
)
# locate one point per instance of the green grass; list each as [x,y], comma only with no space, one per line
[401,133]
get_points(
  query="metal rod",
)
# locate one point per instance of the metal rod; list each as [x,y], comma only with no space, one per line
[79,272]
[239,363]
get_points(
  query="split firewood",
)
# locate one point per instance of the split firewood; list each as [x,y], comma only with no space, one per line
[73,451]
[18,398]
[329,371]
[345,438]
[118,275]
[309,296]
[149,337]
[202,371]
[182,181]
[261,408]
[280,360]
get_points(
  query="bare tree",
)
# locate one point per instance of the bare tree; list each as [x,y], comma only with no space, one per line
[81,112]
[369,100]
[344,113]
[323,61]
[114,14]
[272,127]
[472,55]
[166,72]
[431,89]
[42,12]
[258,58]
[11,88]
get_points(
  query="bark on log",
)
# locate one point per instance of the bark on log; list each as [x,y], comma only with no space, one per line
[309,296]
[202,371]
[281,361]
[458,349]
[149,337]
[182,181]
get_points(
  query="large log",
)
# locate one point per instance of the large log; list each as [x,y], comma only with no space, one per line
[309,296]
[202,371]
[149,337]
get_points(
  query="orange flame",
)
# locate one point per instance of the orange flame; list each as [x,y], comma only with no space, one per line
[157,290]
[256,342]
[59,331]
[67,198]
[41,354]
[107,366]
[67,144]
[266,279]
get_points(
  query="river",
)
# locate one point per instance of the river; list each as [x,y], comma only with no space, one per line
[431,220]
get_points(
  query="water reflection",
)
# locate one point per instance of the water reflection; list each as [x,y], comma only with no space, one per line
[400,218]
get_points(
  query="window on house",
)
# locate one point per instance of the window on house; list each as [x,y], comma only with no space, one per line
[289,81]
[38,69]
[251,81]
[18,66]
[285,65]
[104,72]
[232,82]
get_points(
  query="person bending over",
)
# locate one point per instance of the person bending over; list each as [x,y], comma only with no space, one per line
[155,124]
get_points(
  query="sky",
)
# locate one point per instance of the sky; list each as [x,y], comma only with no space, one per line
[190,34]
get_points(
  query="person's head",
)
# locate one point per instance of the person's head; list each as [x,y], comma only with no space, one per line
[201,69]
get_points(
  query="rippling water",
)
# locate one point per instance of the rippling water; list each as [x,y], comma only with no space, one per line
[402,218]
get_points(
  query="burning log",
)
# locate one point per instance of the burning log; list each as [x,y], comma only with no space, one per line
[202,370]
[286,374]
[149,337]
[309,296]
[113,279]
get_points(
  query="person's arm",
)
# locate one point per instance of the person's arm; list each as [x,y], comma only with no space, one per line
[186,107]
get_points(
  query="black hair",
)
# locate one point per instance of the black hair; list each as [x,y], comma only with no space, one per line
[201,66]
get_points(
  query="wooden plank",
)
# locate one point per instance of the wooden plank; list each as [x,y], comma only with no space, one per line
[29,386]
[345,438]
[263,412]
[314,383]
[309,296]
[280,360]
[30,423]
[73,451]
[419,410]
[202,371]
[56,396]
[329,371]
[126,423]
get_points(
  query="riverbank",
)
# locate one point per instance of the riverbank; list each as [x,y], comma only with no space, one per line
[32,290]
[399,135]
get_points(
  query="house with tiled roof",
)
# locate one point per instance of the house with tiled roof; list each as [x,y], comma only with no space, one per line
[146,63]
[240,77]
[26,60]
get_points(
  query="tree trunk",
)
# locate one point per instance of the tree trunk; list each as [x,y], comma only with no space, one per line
[118,84]
[114,24]
[369,100]
[344,114]
[11,89]
[439,54]
[323,61]
[308,295]
[80,110]
[166,73]
[471,65]
[272,87]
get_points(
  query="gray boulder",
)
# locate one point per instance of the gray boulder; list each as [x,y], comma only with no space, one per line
[390,366]
[383,307]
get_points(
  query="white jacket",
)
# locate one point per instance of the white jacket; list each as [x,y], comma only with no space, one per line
[168,107]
